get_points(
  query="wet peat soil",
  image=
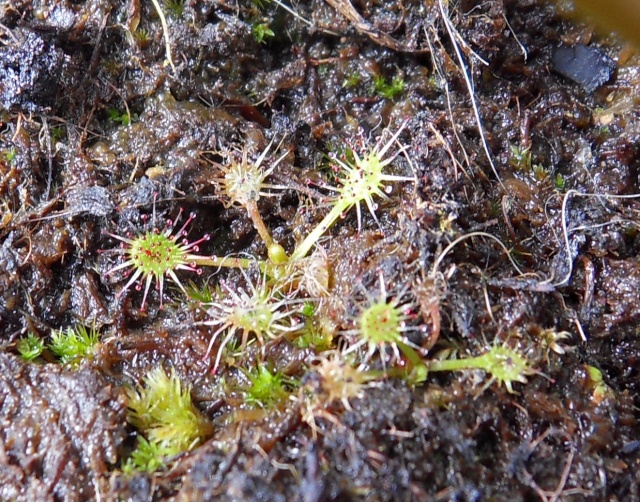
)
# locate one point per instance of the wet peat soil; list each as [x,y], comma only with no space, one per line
[97,125]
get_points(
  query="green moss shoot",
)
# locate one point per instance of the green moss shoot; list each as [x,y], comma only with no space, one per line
[30,347]
[265,389]
[162,410]
[74,345]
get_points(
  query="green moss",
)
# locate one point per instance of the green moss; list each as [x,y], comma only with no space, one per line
[163,412]
[201,294]
[174,8]
[122,118]
[265,389]
[30,347]
[262,32]
[520,158]
[540,173]
[57,133]
[74,345]
[10,155]
[142,37]
[352,80]
[148,456]
[388,90]
[314,337]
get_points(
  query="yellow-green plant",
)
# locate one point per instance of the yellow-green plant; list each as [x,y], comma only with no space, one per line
[362,177]
[162,410]
[388,90]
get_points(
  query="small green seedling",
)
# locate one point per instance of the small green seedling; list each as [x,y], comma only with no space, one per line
[163,412]
[600,390]
[148,457]
[57,133]
[352,80]
[142,37]
[30,347]
[74,345]
[540,173]
[520,157]
[549,340]
[199,294]
[261,32]
[314,336]
[115,115]
[175,8]
[10,154]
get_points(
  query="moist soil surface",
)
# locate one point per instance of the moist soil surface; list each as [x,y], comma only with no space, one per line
[512,224]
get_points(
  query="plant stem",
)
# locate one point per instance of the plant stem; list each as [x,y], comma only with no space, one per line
[258,222]
[468,363]
[275,251]
[224,261]
[336,212]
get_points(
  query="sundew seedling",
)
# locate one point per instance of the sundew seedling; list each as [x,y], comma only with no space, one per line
[362,177]
[259,308]
[156,254]
[382,324]
[243,183]
[505,364]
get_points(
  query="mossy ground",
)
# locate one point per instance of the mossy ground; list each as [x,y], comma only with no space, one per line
[72,168]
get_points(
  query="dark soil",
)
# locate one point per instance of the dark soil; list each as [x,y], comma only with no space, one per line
[99,133]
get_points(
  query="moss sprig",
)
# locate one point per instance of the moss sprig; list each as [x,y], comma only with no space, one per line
[265,388]
[74,345]
[30,348]
[162,410]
